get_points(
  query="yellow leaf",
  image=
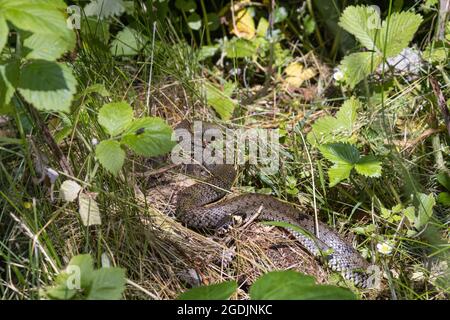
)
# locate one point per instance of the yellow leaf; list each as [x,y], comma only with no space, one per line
[293,69]
[243,24]
[296,74]
[89,211]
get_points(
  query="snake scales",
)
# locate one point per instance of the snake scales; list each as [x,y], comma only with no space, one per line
[195,208]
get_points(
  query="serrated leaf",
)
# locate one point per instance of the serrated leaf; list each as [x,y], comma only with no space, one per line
[338,172]
[220,101]
[362,22]
[149,137]
[240,48]
[345,157]
[437,52]
[4,31]
[9,79]
[97,88]
[107,284]
[48,86]
[115,117]
[346,116]
[369,166]
[48,46]
[397,31]
[59,290]
[340,152]
[291,285]
[111,155]
[220,291]
[35,16]
[128,42]
[322,131]
[357,66]
[69,190]
[340,129]
[89,211]
[105,8]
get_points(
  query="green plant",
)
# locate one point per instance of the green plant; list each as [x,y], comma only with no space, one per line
[334,137]
[147,136]
[41,36]
[444,197]
[275,285]
[81,281]
[382,39]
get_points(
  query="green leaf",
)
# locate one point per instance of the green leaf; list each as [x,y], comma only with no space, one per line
[346,116]
[128,42]
[206,52]
[194,21]
[4,31]
[9,79]
[240,48]
[280,14]
[357,66]
[86,265]
[105,8]
[107,284]
[444,179]
[115,117]
[220,291]
[263,26]
[362,22]
[369,166]
[424,209]
[220,101]
[48,46]
[397,32]
[35,16]
[340,129]
[444,198]
[291,285]
[49,86]
[96,88]
[437,52]
[338,172]
[60,291]
[111,156]
[149,137]
[340,152]
[345,157]
[185,5]
[213,21]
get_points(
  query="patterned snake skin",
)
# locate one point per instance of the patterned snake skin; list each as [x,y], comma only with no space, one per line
[193,210]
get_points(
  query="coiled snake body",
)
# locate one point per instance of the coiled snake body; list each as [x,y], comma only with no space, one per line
[193,210]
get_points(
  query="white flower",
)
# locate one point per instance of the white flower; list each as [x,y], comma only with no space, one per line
[94,142]
[338,75]
[384,248]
